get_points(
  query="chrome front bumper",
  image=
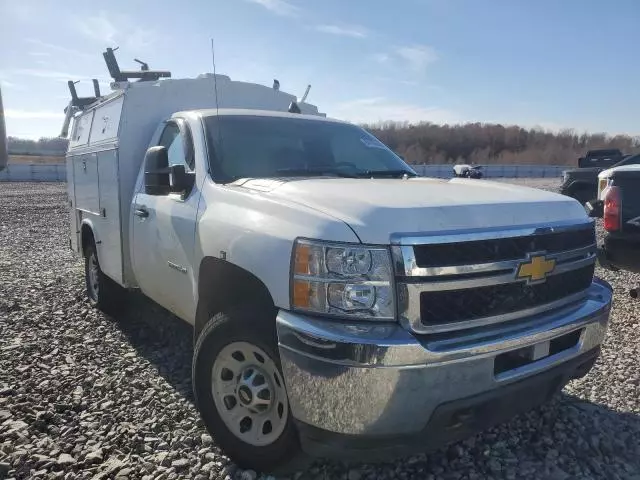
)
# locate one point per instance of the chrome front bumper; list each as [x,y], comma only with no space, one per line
[379,380]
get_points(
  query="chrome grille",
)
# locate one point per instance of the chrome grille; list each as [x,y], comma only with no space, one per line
[460,280]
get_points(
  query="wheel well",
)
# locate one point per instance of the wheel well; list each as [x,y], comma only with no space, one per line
[222,285]
[86,237]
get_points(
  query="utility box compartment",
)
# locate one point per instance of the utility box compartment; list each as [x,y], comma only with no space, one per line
[106,122]
[86,182]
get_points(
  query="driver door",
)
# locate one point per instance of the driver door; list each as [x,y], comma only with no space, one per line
[164,232]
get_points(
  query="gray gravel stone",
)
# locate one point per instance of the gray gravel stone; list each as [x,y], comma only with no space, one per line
[65,459]
[180,464]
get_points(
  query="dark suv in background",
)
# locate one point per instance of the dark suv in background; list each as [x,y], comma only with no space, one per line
[582,183]
[606,158]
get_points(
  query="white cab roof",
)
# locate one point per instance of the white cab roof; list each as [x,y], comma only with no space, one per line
[211,112]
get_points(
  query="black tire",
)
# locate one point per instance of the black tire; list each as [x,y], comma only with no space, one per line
[256,327]
[103,293]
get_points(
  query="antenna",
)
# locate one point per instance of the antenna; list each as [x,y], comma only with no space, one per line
[215,78]
[215,87]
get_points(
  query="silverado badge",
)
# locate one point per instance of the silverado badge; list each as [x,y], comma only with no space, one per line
[536,268]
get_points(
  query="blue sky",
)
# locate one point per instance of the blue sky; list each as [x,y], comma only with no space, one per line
[554,64]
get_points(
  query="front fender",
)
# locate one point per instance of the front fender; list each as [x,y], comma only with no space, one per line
[256,233]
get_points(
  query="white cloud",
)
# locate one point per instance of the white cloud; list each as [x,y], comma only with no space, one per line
[27,114]
[57,49]
[51,75]
[381,57]
[40,54]
[354,31]
[279,7]
[7,84]
[411,57]
[46,73]
[111,29]
[380,109]
[417,56]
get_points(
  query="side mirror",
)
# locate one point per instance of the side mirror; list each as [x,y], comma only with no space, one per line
[181,180]
[156,171]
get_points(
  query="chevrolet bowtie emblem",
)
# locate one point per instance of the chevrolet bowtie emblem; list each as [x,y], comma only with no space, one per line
[536,268]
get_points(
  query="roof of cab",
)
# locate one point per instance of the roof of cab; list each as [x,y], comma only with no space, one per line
[211,112]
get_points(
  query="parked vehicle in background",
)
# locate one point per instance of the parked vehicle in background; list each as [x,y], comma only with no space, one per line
[604,158]
[342,306]
[582,183]
[467,171]
[618,204]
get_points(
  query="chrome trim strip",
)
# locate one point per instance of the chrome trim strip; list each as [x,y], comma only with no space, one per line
[484,233]
[405,263]
[346,280]
[436,286]
[509,277]
[411,317]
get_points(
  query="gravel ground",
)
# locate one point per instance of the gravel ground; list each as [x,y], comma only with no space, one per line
[84,395]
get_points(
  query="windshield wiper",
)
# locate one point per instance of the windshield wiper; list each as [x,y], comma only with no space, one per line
[313,172]
[385,173]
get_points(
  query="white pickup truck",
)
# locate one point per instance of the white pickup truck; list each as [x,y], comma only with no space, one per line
[342,306]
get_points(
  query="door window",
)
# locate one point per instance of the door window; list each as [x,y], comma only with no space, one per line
[177,146]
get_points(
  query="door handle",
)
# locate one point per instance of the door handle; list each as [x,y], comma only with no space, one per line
[141,212]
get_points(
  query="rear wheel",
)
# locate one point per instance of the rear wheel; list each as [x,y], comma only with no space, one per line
[240,392]
[103,292]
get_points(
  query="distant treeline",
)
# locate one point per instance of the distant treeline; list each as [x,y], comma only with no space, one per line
[42,146]
[480,143]
[483,143]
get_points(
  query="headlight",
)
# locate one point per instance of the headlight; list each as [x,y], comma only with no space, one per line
[342,279]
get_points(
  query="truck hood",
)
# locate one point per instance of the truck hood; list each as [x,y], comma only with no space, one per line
[624,168]
[377,208]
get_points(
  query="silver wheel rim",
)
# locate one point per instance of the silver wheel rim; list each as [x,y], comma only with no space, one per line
[249,393]
[94,275]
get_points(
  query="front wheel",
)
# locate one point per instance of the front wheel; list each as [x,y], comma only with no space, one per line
[240,392]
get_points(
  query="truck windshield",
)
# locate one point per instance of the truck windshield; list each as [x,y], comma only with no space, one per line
[253,146]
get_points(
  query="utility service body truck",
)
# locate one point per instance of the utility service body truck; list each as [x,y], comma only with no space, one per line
[341,305]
